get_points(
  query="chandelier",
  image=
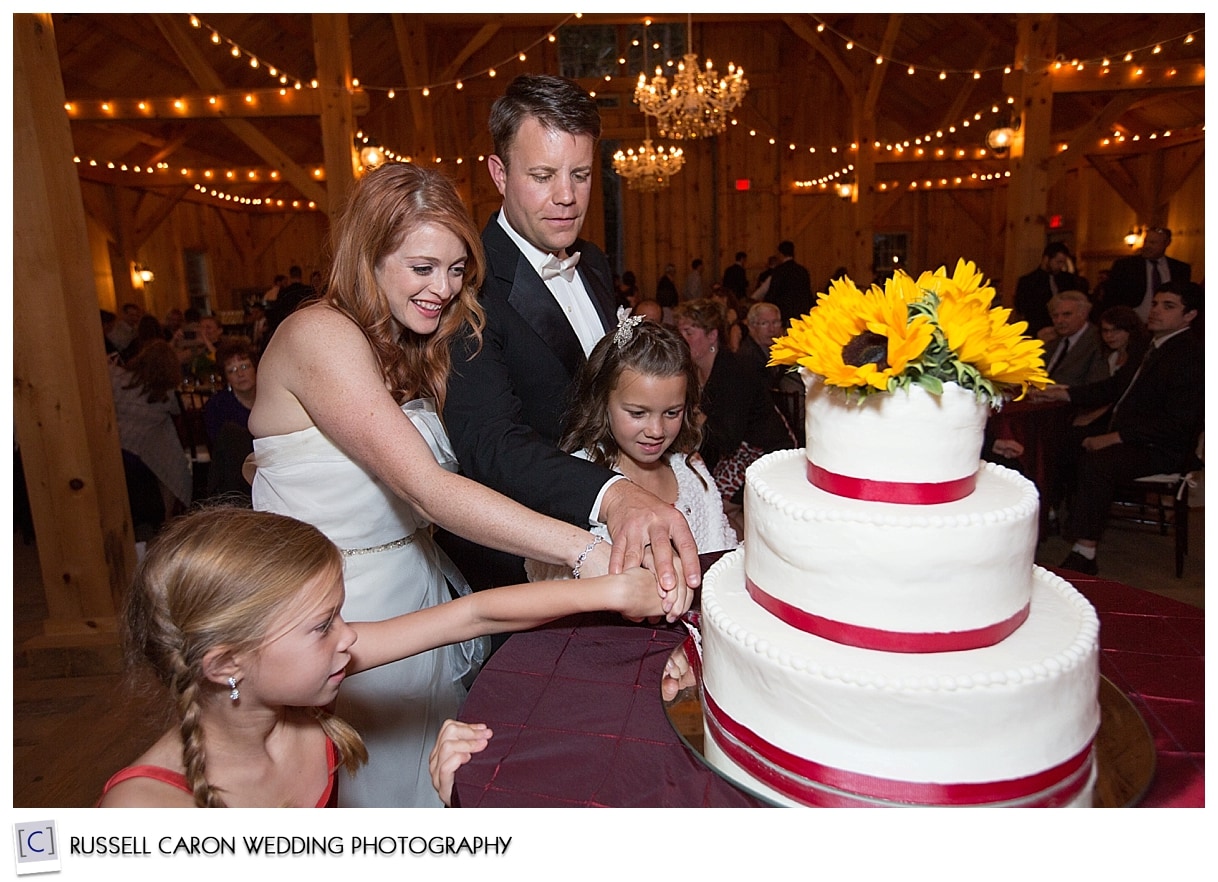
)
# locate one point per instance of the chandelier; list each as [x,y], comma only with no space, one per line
[649,168]
[697,103]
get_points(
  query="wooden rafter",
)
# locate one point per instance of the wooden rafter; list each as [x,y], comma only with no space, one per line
[175,33]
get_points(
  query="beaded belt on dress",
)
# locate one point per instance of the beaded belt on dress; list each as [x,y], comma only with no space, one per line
[388,546]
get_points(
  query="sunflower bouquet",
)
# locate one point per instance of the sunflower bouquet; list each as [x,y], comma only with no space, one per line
[938,329]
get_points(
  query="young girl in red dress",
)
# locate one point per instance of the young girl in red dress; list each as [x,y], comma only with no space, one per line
[237,612]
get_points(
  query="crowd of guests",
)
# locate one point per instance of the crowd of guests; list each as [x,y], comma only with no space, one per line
[458,412]
[1126,356]
[189,382]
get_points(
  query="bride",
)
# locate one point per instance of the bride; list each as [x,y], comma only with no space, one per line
[347,438]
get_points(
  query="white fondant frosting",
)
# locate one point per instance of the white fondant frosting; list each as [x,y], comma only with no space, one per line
[954,566]
[1002,712]
[908,436]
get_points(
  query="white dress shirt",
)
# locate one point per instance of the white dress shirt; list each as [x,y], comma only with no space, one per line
[572,296]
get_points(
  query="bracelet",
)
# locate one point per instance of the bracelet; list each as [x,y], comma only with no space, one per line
[583,555]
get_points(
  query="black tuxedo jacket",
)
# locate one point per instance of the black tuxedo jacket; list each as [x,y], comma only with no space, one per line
[1126,283]
[1166,403]
[506,403]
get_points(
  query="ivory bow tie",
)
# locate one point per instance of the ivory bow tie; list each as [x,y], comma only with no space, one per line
[552,267]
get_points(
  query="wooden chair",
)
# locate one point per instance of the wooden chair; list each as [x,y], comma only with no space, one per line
[791,405]
[1160,501]
[193,434]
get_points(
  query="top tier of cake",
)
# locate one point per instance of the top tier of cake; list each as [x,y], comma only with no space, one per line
[908,446]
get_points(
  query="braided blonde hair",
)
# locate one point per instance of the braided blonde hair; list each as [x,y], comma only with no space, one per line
[217,578]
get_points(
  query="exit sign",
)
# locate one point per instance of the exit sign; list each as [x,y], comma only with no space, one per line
[742,183]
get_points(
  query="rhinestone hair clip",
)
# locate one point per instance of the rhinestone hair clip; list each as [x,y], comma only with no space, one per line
[626,323]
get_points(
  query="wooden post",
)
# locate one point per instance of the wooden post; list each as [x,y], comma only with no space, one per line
[62,406]
[1028,196]
[332,50]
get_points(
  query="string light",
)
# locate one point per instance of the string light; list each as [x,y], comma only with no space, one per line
[895,149]
[851,43]
[237,52]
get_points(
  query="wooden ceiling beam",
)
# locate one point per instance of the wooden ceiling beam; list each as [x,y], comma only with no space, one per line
[1124,76]
[1096,128]
[891,31]
[175,33]
[809,35]
[213,104]
[480,39]
[412,52]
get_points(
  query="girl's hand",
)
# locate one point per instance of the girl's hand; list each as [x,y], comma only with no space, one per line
[677,674]
[455,745]
[640,597]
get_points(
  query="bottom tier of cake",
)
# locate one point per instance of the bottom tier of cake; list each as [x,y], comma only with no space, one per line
[807,721]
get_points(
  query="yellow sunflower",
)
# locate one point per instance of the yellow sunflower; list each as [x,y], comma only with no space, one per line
[984,338]
[965,283]
[852,338]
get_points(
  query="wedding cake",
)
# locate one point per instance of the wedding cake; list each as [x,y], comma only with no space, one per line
[883,636]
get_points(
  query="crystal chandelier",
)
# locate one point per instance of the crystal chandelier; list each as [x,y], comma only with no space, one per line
[648,168]
[697,103]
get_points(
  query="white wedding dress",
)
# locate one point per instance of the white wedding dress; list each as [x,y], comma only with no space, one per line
[391,565]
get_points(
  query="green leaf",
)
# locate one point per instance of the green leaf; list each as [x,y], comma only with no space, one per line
[931,384]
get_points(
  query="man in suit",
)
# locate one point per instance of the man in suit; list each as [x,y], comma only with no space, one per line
[1132,281]
[289,300]
[1158,407]
[548,297]
[1033,290]
[1075,355]
[790,286]
[735,278]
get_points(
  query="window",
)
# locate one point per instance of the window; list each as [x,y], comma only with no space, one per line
[594,50]
[889,252]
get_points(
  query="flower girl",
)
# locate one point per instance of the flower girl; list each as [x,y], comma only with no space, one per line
[634,408]
[237,612]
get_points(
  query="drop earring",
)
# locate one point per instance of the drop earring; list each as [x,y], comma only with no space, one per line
[235,693]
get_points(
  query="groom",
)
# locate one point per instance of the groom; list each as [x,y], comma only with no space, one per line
[548,297]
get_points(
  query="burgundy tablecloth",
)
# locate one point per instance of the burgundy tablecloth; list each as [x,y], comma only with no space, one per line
[578,719]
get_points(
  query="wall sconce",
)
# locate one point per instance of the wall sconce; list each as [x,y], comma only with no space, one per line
[845,190]
[144,274]
[1000,138]
[1131,238]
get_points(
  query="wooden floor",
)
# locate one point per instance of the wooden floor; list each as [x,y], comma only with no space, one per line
[71,734]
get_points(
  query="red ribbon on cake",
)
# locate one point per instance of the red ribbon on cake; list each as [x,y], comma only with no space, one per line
[816,784]
[891,491]
[886,641]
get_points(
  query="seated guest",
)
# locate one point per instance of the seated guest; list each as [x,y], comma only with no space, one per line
[764,323]
[1157,412]
[741,422]
[1124,339]
[1073,350]
[1124,336]
[233,403]
[147,330]
[650,310]
[226,417]
[144,405]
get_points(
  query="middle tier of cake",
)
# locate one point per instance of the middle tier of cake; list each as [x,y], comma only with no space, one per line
[888,576]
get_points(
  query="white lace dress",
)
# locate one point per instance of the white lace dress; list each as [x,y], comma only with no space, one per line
[699,501]
[391,566]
